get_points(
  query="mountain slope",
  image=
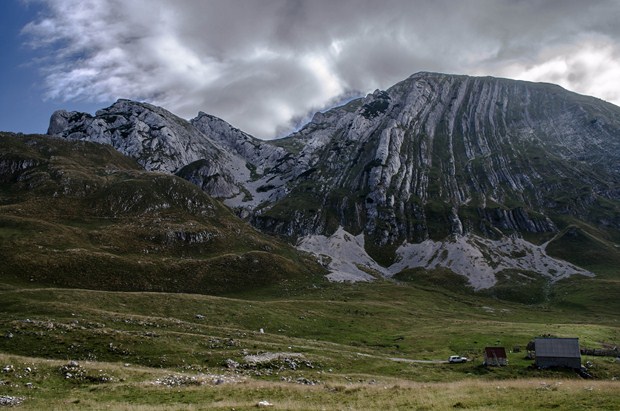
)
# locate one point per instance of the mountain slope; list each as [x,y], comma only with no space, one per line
[78,214]
[157,139]
[207,151]
[437,155]
[465,165]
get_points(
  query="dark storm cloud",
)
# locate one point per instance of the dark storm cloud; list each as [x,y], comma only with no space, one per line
[263,65]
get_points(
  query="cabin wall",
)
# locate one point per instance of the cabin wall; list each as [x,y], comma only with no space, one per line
[547,362]
[495,361]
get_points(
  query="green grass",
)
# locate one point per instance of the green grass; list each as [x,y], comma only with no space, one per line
[82,215]
[351,335]
[520,286]
[137,311]
[436,278]
[135,388]
[382,319]
[585,246]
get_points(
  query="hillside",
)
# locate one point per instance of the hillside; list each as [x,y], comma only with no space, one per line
[437,154]
[478,175]
[79,214]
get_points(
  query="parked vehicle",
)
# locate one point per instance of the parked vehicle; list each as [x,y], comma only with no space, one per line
[456,359]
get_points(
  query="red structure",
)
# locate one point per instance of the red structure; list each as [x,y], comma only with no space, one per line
[495,356]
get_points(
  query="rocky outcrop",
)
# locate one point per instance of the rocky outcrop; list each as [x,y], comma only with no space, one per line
[260,154]
[158,140]
[433,158]
[155,137]
[439,154]
[222,160]
[11,168]
[516,220]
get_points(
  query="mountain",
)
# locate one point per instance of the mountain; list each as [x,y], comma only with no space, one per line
[157,139]
[437,155]
[443,171]
[80,214]
[476,174]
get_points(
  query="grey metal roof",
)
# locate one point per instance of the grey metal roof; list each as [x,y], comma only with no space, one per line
[557,347]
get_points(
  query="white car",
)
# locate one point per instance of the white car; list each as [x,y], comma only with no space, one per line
[456,358]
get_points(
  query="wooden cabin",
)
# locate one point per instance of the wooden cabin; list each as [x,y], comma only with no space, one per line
[495,356]
[557,352]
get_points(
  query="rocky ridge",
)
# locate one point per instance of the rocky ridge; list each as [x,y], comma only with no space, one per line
[441,147]
[157,139]
[435,159]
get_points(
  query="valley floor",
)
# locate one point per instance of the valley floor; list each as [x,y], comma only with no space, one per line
[139,388]
[382,345]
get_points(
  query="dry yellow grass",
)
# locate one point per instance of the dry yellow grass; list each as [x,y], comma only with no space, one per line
[528,394]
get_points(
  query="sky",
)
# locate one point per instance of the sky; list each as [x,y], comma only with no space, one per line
[266,65]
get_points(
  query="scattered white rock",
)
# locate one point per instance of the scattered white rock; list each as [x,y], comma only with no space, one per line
[477,258]
[10,401]
[271,356]
[264,404]
[480,259]
[176,380]
[346,252]
[231,364]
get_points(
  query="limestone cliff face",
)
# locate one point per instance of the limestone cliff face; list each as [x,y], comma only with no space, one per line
[262,155]
[433,156]
[205,150]
[157,139]
[438,154]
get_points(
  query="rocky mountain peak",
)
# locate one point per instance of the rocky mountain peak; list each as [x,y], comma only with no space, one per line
[158,140]
[260,154]
[433,158]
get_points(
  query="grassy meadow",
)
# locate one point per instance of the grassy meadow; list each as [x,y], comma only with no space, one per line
[323,346]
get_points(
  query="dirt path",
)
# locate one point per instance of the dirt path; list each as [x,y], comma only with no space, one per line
[419,361]
[405,359]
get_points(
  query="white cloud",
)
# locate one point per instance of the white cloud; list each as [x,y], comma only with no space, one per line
[263,65]
[589,67]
